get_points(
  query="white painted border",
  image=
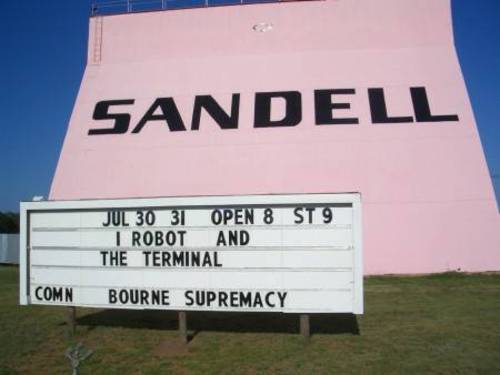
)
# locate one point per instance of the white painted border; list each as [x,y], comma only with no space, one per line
[354,198]
[192,201]
[23,257]
[358,302]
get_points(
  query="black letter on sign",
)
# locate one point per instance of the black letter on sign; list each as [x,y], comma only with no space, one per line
[215,110]
[169,113]
[379,109]
[324,106]
[122,120]
[422,109]
[263,109]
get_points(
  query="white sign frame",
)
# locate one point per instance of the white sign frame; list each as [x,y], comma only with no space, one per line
[354,199]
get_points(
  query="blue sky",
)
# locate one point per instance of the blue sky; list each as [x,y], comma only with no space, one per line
[43,50]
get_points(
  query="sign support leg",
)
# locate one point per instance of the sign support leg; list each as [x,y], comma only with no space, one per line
[183,327]
[71,320]
[305,327]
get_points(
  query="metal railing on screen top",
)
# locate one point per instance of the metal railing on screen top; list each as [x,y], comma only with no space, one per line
[106,7]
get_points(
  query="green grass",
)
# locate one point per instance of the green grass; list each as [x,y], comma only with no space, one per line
[441,324]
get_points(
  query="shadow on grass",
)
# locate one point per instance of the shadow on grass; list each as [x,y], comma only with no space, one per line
[222,321]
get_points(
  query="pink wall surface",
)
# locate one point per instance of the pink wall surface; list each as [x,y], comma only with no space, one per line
[428,201]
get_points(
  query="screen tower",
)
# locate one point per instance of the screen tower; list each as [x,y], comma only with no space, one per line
[292,97]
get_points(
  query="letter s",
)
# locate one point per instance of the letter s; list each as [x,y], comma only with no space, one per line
[122,120]
[188,296]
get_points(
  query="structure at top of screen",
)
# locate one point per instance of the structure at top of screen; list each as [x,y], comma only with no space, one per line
[334,96]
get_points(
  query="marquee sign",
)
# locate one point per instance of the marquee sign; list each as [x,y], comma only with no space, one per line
[286,253]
